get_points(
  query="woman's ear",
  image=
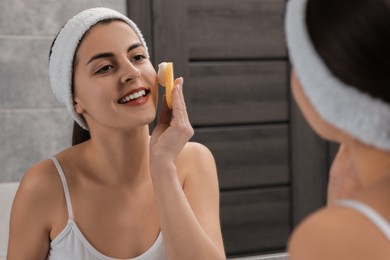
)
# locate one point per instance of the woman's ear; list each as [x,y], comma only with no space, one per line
[77,106]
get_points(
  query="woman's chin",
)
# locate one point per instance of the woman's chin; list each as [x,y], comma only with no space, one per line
[151,118]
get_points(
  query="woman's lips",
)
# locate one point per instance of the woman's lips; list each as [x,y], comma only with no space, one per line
[135,96]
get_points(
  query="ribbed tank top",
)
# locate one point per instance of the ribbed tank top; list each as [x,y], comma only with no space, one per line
[71,244]
[371,214]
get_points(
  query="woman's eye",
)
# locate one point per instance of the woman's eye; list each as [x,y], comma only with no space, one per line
[104,69]
[138,58]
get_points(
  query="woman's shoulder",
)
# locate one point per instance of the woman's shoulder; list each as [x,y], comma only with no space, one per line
[195,158]
[195,154]
[338,232]
[40,179]
[194,148]
[44,173]
[37,195]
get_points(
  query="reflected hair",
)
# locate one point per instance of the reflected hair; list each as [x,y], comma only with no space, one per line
[353,40]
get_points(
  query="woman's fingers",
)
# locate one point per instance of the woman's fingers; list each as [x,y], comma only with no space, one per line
[163,121]
[173,129]
[181,95]
[166,113]
[177,99]
[180,115]
[178,103]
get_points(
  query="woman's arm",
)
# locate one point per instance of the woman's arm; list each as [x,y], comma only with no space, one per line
[29,224]
[189,218]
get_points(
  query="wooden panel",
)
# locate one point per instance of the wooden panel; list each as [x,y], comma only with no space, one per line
[237,92]
[255,220]
[229,29]
[170,27]
[310,166]
[141,13]
[249,156]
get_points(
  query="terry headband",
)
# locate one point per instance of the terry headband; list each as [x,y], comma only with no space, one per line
[359,114]
[64,48]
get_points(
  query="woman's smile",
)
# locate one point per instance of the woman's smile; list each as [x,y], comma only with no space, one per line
[137,96]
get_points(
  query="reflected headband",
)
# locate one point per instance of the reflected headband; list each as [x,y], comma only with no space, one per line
[359,114]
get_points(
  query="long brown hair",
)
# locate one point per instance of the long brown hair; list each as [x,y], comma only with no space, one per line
[353,39]
[79,134]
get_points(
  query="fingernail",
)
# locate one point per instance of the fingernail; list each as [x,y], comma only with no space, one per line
[179,81]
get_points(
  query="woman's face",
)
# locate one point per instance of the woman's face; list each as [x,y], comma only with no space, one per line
[321,127]
[115,85]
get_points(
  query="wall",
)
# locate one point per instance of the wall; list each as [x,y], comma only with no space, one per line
[33,125]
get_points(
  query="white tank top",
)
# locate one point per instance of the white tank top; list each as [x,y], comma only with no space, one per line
[380,222]
[71,244]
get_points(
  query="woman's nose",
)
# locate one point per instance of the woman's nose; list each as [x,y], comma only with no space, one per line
[130,72]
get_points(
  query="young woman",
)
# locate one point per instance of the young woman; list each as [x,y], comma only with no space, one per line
[341,81]
[119,193]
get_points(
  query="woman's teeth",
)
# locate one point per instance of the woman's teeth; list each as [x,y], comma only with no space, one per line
[133,96]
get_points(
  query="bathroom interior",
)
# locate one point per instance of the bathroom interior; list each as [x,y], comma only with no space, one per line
[272,167]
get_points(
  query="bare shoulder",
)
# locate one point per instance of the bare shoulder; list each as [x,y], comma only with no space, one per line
[195,158]
[39,195]
[40,175]
[196,151]
[337,233]
[33,212]
[39,186]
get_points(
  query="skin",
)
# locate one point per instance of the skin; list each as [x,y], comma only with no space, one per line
[123,197]
[343,178]
[360,172]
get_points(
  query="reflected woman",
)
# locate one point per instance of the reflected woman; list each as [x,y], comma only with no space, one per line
[117,193]
[341,81]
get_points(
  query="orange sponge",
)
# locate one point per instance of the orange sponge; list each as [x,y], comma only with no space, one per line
[165,78]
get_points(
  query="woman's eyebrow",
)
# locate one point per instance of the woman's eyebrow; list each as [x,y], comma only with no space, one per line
[133,46]
[101,55]
[110,54]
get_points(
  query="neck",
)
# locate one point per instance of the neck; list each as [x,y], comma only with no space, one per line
[372,164]
[119,157]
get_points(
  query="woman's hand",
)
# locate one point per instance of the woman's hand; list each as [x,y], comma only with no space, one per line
[173,128]
[188,214]
[343,176]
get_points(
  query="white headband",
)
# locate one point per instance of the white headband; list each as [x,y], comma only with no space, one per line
[360,115]
[64,48]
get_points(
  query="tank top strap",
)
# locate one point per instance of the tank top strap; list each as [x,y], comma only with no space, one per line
[380,222]
[65,186]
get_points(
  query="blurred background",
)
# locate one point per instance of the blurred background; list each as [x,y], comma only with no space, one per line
[272,168]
